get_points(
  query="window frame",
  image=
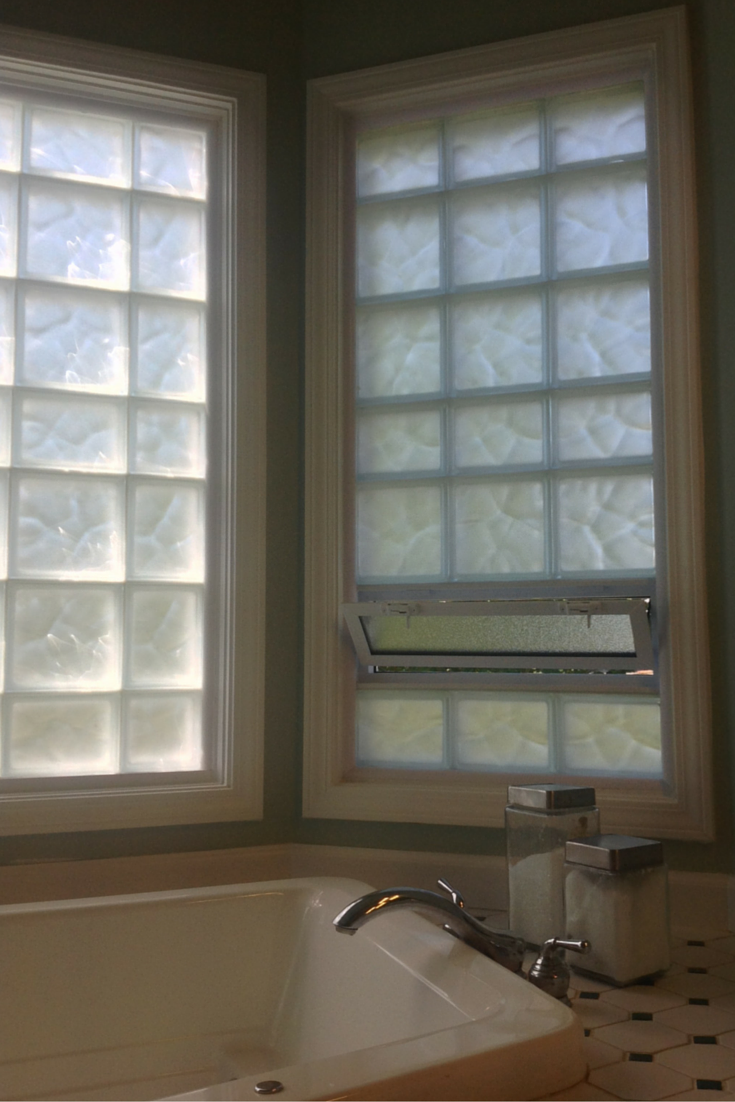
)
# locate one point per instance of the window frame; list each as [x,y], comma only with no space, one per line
[651,47]
[232,104]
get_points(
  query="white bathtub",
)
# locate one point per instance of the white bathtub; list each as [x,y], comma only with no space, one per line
[212,990]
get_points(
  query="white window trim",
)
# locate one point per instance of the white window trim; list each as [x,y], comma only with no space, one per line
[653,45]
[234,103]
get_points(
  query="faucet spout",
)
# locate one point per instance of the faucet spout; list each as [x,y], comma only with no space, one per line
[500,946]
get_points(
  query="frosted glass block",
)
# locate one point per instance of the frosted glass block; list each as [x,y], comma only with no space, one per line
[171,351]
[497,341]
[496,143]
[165,638]
[398,247]
[78,234]
[72,434]
[399,531]
[62,736]
[606,523]
[612,737]
[65,638]
[496,234]
[168,532]
[501,734]
[488,434]
[69,528]
[172,160]
[400,730]
[601,219]
[7,340]
[603,329]
[8,225]
[399,441]
[5,422]
[168,441]
[75,341]
[499,528]
[75,144]
[163,732]
[10,137]
[398,351]
[608,123]
[171,255]
[597,428]
[397,160]
[3,525]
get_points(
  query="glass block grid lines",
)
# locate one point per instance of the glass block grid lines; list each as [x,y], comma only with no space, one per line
[103,289]
[503,344]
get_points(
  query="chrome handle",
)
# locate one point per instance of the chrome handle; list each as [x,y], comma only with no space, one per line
[576,946]
[456,897]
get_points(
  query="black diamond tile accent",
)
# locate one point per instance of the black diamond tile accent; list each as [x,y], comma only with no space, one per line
[589,994]
[641,1016]
[700,943]
[647,981]
[705,1040]
[697,971]
[641,1057]
[588,1032]
[709,1084]
[699,1002]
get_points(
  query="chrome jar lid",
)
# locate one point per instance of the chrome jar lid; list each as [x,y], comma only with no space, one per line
[615,852]
[550,797]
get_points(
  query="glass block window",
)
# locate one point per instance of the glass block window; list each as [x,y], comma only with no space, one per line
[103,417]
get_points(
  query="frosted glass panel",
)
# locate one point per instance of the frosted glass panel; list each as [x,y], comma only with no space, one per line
[501,734]
[603,329]
[486,434]
[496,143]
[172,160]
[598,428]
[606,523]
[398,351]
[171,248]
[400,730]
[496,341]
[601,124]
[76,144]
[399,531]
[8,225]
[168,441]
[601,219]
[10,114]
[165,647]
[74,340]
[499,528]
[69,528]
[398,160]
[612,737]
[5,411]
[77,234]
[163,732]
[496,234]
[82,435]
[65,638]
[62,737]
[168,532]
[3,525]
[171,352]
[7,343]
[399,442]
[398,247]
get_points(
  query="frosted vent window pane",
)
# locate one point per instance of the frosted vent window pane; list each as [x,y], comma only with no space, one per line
[171,352]
[165,649]
[7,328]
[168,533]
[601,219]
[496,341]
[399,442]
[10,116]
[64,638]
[168,441]
[499,528]
[400,730]
[603,329]
[8,225]
[501,734]
[5,412]
[601,428]
[496,144]
[609,123]
[69,528]
[77,234]
[606,523]
[398,160]
[488,435]
[398,247]
[612,737]
[171,249]
[83,435]
[172,160]
[399,531]
[398,351]
[163,733]
[62,737]
[3,525]
[71,144]
[496,234]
